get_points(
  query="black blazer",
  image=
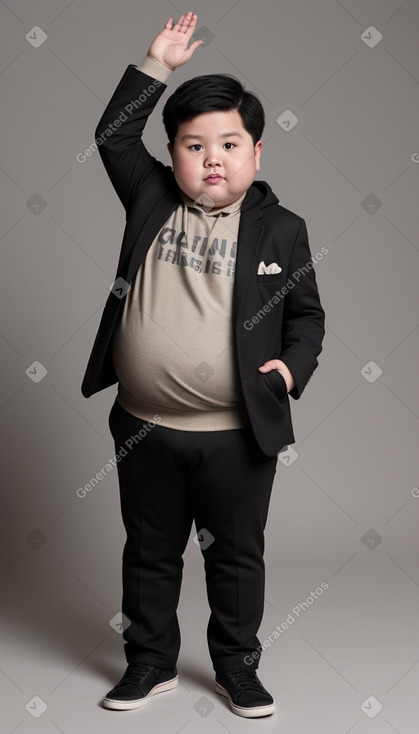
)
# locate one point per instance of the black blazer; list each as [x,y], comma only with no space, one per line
[276,316]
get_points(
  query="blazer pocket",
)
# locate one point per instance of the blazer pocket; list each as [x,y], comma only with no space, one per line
[267,278]
[277,384]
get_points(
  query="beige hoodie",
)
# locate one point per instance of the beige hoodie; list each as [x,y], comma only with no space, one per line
[173,349]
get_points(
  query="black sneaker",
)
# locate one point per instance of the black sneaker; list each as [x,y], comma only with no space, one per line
[139,682]
[245,692]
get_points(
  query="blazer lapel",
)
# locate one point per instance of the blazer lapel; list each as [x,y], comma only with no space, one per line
[248,243]
[150,229]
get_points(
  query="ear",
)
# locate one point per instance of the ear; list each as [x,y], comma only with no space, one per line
[258,153]
[170,149]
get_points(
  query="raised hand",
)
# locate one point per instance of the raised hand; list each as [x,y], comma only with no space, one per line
[169,47]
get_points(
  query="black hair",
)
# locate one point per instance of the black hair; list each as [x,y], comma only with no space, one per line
[208,93]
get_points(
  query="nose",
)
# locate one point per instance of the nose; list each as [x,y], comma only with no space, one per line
[212,159]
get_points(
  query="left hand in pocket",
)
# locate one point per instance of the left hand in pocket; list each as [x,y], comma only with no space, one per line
[278,364]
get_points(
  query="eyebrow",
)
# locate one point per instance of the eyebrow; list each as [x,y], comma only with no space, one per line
[200,137]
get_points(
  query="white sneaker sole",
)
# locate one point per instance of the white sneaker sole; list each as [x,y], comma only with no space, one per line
[249,712]
[110,703]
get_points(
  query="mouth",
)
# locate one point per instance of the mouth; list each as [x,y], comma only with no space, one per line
[214,177]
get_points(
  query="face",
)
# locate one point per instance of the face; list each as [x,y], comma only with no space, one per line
[215,143]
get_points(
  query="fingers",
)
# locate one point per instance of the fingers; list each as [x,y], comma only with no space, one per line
[179,25]
[194,45]
[183,22]
[186,22]
[271,364]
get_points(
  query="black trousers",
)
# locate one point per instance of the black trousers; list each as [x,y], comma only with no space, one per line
[220,479]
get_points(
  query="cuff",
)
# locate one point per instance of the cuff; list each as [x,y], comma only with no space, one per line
[155,69]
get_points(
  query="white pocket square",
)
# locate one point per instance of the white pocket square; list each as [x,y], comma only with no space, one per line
[268,269]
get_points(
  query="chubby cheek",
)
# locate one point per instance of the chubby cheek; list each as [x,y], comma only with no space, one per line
[244,174]
[186,171]
[250,164]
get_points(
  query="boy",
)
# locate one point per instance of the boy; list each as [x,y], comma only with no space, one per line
[213,319]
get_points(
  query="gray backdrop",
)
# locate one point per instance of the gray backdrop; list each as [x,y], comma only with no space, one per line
[345,504]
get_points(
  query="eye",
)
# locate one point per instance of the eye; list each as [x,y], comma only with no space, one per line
[198,145]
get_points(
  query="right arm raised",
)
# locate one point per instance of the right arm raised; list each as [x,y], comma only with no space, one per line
[119,131]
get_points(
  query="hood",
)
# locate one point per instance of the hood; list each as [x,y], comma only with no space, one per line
[259,195]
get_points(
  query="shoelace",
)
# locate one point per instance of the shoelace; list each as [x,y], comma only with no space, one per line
[135,672]
[245,679]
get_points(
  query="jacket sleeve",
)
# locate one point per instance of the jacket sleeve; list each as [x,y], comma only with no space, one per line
[119,131]
[304,317]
